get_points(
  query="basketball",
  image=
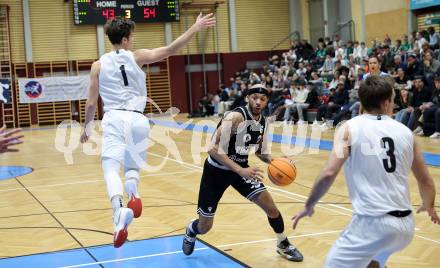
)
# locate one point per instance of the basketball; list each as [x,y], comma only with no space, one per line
[281,171]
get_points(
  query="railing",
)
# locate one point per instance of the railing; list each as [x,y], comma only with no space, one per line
[351,25]
[296,33]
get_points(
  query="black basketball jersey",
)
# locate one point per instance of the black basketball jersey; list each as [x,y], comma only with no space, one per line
[249,134]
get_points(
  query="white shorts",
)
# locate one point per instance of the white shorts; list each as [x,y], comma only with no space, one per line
[370,238]
[125,137]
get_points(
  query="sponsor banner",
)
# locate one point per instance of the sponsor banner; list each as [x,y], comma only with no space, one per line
[49,89]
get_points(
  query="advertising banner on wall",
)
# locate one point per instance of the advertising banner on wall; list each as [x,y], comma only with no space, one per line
[49,89]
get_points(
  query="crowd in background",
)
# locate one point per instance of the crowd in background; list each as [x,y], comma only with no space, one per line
[324,81]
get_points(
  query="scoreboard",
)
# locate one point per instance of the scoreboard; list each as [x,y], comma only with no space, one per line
[98,12]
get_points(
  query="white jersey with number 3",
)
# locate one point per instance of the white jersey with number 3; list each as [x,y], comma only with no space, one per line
[379,164]
[122,82]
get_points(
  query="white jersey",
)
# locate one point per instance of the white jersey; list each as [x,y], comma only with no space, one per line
[122,82]
[379,164]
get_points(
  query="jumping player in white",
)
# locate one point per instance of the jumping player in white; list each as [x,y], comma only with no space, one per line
[118,78]
[378,153]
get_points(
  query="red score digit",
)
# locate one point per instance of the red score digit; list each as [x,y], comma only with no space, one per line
[108,13]
[149,13]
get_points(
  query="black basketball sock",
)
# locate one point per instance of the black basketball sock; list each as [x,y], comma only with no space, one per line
[277,224]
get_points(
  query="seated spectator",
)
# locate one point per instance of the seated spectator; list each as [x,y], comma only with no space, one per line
[328,66]
[431,68]
[402,80]
[434,38]
[414,67]
[297,103]
[336,101]
[403,102]
[334,83]
[432,113]
[223,105]
[421,95]
[317,82]
[398,63]
[353,98]
[388,59]
[301,71]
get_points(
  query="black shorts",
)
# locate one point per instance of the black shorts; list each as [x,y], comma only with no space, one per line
[214,183]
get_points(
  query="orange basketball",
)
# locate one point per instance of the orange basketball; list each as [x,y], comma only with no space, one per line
[281,171]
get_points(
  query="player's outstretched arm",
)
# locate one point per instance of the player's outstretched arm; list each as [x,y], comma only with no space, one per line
[328,175]
[425,183]
[92,101]
[146,56]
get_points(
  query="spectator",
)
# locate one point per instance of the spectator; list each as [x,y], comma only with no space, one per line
[432,113]
[421,95]
[414,67]
[434,38]
[398,63]
[420,40]
[336,101]
[402,80]
[431,67]
[298,103]
[403,104]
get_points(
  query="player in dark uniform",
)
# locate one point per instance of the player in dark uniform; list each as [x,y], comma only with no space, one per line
[240,131]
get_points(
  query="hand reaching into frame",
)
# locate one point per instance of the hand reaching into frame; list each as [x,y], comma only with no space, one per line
[9,138]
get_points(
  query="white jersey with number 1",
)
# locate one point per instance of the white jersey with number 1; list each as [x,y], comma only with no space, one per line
[377,170]
[122,82]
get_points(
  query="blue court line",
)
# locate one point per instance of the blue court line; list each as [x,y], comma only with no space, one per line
[430,158]
[155,252]
[9,172]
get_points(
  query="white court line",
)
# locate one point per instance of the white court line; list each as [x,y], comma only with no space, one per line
[428,239]
[321,206]
[89,181]
[202,248]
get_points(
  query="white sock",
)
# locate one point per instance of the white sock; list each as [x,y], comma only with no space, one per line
[280,237]
[116,203]
[131,187]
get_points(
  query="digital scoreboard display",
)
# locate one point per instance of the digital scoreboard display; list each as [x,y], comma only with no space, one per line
[98,12]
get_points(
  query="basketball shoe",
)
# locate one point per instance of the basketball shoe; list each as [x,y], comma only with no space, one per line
[289,252]
[134,200]
[121,219]
[189,240]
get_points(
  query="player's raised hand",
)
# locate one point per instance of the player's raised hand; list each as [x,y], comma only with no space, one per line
[431,212]
[306,212]
[9,138]
[251,173]
[204,22]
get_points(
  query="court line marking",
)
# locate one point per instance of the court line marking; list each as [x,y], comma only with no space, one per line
[90,181]
[198,249]
[294,194]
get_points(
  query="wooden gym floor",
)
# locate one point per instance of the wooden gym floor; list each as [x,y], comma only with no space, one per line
[63,206]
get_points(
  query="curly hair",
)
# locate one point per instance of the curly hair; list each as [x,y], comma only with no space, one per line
[118,28]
